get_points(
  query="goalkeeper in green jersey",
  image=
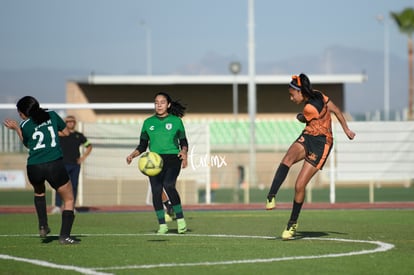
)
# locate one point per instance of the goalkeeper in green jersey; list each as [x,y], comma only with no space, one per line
[164,133]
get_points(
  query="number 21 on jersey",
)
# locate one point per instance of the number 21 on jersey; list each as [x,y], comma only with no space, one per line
[40,137]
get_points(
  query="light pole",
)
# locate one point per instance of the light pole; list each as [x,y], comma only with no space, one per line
[251,98]
[235,68]
[380,18]
[148,41]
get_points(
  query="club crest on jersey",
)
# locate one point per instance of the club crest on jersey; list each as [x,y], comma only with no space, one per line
[168,126]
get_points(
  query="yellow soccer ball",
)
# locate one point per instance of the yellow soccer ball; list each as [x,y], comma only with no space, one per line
[150,164]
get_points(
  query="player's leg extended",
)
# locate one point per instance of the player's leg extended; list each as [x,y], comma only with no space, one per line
[295,153]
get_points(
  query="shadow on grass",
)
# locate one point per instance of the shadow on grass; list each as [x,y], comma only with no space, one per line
[315,234]
[312,234]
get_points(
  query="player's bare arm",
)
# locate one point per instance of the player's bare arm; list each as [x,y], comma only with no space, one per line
[87,152]
[64,133]
[131,156]
[338,113]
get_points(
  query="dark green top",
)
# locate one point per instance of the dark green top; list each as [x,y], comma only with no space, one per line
[43,140]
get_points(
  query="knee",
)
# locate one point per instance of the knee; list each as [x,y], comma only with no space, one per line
[300,188]
[288,160]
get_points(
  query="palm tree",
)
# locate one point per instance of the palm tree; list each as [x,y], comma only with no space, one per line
[405,22]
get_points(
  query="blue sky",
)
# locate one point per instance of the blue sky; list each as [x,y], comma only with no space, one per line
[46,42]
[106,36]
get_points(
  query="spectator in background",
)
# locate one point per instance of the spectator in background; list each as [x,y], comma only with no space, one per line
[72,158]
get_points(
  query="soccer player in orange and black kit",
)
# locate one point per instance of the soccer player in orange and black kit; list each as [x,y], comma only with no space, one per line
[313,145]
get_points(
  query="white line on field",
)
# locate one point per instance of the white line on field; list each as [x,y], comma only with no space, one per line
[381,247]
[82,270]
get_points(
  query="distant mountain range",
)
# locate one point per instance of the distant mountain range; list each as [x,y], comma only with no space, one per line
[360,98]
[48,85]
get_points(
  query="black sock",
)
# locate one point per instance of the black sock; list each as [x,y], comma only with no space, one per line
[40,204]
[279,178]
[295,212]
[67,221]
[170,210]
[167,204]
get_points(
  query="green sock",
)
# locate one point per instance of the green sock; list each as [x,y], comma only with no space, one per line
[178,211]
[160,216]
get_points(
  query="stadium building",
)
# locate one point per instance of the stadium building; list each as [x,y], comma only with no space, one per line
[207,96]
[219,133]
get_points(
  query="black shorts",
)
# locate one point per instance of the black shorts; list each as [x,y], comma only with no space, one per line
[317,149]
[53,172]
[170,170]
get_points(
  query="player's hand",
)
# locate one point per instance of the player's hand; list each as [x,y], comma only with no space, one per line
[350,134]
[131,156]
[129,159]
[183,156]
[11,124]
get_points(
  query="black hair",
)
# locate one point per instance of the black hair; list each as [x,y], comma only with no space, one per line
[176,108]
[306,87]
[30,107]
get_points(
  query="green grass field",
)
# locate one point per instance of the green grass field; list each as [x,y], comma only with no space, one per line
[218,242]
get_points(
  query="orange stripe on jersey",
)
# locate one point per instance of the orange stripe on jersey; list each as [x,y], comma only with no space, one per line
[326,150]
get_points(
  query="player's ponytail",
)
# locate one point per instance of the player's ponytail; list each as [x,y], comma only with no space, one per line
[30,107]
[176,108]
[306,87]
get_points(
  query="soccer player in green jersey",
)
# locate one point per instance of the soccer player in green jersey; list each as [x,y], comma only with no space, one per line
[164,133]
[39,132]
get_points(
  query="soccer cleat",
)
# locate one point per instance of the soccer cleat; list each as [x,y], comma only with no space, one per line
[270,204]
[43,231]
[67,240]
[168,218]
[163,229]
[55,210]
[289,232]
[182,226]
